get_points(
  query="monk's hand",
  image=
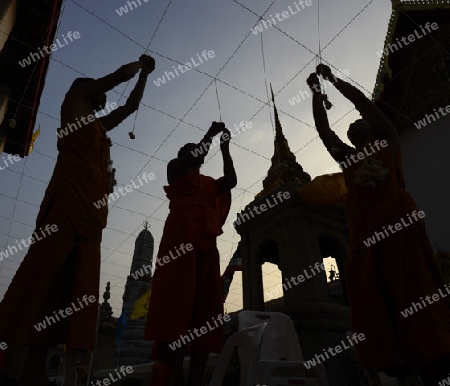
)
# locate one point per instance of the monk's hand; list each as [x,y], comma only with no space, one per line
[225,139]
[130,70]
[314,83]
[148,63]
[325,72]
[216,128]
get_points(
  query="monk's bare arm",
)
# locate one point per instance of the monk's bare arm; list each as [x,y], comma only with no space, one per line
[117,116]
[337,149]
[179,166]
[229,173]
[382,126]
[100,86]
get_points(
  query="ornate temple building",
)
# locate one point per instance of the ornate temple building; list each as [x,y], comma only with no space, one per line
[413,90]
[133,349]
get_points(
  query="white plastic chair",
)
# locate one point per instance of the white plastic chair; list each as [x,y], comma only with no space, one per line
[249,340]
[281,357]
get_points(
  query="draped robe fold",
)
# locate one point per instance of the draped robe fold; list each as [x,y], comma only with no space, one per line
[186,291]
[64,266]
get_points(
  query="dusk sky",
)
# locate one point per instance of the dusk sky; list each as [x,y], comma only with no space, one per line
[182,109]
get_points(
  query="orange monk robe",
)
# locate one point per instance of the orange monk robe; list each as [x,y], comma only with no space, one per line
[64,266]
[387,277]
[187,291]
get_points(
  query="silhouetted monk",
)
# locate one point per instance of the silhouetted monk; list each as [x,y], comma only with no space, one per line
[57,283]
[187,297]
[396,268]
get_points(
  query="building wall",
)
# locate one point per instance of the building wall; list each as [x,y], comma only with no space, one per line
[7,19]
[426,161]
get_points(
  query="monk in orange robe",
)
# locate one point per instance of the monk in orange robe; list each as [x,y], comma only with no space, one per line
[187,299]
[57,284]
[387,269]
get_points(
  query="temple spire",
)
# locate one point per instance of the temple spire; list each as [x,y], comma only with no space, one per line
[284,168]
[278,128]
[282,152]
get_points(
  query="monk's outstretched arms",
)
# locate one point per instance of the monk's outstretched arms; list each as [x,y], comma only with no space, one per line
[181,164]
[229,173]
[337,149]
[113,119]
[100,86]
[382,126]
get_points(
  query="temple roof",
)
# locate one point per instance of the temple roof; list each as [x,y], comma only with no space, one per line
[413,79]
[284,168]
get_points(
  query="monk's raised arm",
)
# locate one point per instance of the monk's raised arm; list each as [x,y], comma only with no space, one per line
[337,149]
[100,86]
[191,154]
[229,174]
[382,126]
[114,118]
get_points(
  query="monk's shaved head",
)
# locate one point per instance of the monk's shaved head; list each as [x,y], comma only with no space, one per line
[98,102]
[79,81]
[359,132]
[184,150]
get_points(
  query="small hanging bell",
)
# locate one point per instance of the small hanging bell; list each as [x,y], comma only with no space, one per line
[131,134]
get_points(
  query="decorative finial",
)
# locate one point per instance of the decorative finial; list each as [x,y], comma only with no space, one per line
[105,308]
[145,225]
[106,294]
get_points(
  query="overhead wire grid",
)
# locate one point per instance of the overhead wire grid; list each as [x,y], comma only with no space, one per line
[119,283]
